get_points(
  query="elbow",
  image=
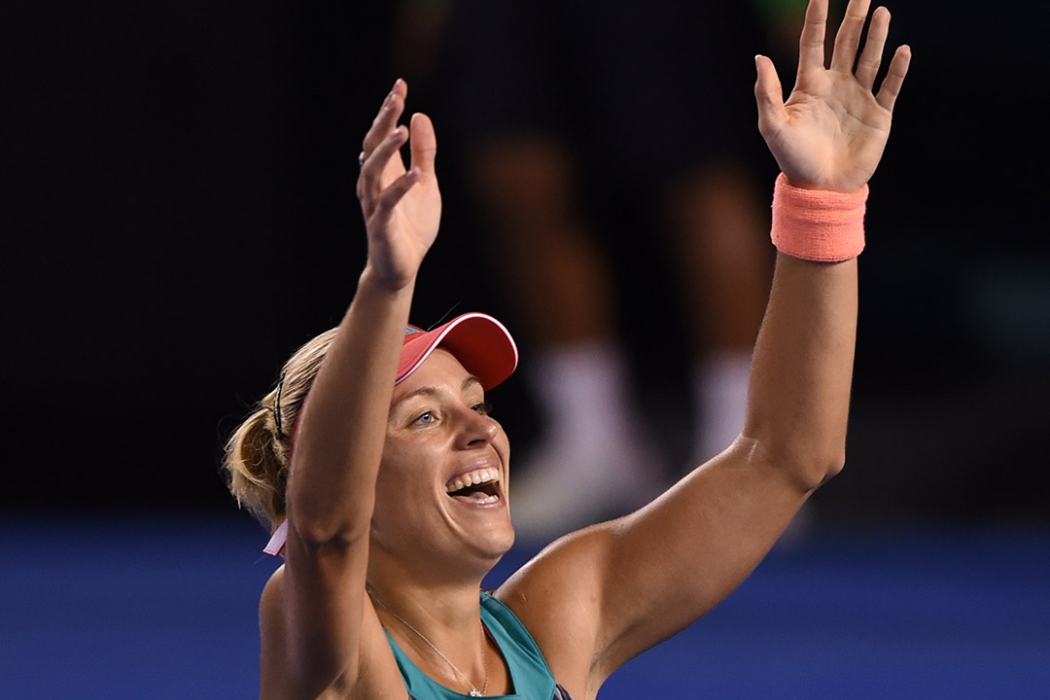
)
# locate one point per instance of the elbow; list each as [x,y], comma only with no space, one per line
[319,529]
[818,469]
[834,464]
[811,472]
[315,536]
[805,466]
[328,517]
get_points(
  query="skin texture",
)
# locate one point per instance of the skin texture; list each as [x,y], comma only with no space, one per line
[367,503]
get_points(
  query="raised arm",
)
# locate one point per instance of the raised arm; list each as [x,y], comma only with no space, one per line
[633,582]
[314,616]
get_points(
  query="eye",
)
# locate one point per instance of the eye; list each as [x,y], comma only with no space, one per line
[484,408]
[425,418]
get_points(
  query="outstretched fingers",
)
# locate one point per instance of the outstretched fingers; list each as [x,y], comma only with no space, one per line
[370,182]
[847,40]
[811,42]
[846,45]
[386,119]
[423,144]
[871,56]
[891,84]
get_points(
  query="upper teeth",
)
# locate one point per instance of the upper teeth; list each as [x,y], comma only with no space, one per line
[478,476]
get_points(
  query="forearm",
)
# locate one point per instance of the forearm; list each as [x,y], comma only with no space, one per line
[802,369]
[827,138]
[340,436]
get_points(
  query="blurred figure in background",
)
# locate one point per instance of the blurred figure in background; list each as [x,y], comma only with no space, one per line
[663,118]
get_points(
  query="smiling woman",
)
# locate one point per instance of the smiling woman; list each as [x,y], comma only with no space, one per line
[387,482]
[258,452]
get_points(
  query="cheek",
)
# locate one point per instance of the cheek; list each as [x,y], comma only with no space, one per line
[502,444]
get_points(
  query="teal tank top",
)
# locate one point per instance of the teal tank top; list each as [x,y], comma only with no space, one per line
[529,674]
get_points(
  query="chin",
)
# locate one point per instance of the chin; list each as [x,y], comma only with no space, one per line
[493,547]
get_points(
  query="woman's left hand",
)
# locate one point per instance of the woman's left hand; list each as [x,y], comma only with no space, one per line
[831,132]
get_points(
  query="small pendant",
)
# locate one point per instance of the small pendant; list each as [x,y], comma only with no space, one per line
[475,693]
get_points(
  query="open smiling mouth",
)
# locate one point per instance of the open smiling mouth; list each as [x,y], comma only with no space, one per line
[479,487]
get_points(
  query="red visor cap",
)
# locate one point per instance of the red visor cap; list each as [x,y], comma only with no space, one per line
[482,345]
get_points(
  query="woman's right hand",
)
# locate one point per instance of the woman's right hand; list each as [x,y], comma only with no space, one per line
[402,208]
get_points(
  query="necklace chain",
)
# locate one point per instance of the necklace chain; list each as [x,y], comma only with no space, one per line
[474,692]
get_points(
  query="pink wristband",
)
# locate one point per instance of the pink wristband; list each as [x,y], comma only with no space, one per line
[818,225]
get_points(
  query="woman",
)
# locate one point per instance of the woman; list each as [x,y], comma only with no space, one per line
[393,503]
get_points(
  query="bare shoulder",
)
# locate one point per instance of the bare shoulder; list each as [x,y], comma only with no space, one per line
[273,639]
[558,597]
[375,675]
[269,601]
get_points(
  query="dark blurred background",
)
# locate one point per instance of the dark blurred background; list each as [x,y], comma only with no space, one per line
[179,216]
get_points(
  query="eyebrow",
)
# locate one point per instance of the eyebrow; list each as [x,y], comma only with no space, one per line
[468,382]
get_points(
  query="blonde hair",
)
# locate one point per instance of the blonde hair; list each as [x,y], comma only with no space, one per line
[257,453]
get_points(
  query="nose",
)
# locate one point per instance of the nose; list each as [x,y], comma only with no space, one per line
[476,428]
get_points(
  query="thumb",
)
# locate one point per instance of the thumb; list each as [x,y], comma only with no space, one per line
[423,142]
[769,96]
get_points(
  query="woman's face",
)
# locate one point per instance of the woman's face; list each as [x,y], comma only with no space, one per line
[442,485]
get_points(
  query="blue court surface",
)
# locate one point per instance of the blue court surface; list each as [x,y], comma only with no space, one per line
[160,608]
